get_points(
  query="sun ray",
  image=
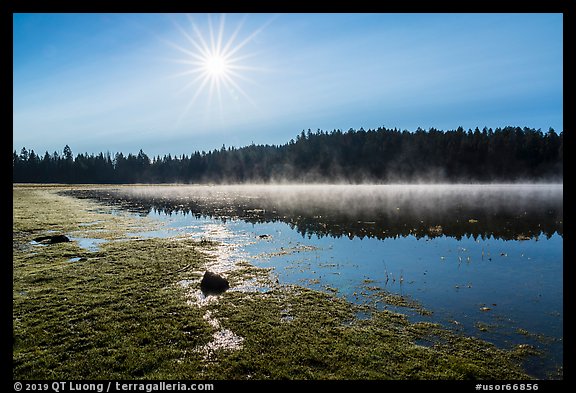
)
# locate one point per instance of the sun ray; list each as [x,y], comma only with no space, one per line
[211,32]
[183,50]
[204,48]
[191,83]
[238,88]
[248,68]
[233,36]
[193,100]
[186,73]
[220,101]
[220,33]
[248,39]
[191,40]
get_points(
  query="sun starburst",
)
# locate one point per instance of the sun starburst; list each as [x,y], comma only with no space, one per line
[214,63]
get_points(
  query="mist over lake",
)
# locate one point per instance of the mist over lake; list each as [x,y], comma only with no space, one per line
[484,259]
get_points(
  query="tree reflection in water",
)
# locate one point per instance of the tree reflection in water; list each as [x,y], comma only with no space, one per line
[508,212]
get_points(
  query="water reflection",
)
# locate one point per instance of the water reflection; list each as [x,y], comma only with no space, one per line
[508,212]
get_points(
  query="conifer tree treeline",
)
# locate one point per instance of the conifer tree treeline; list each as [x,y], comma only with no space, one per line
[381,155]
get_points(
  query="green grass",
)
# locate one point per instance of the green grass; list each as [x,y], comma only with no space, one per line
[117,314]
[322,339]
[120,314]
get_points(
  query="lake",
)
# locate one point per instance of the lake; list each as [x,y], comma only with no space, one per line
[486,259]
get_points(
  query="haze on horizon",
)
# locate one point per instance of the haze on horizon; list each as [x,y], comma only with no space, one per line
[182,83]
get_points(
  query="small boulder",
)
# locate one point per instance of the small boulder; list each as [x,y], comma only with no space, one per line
[213,283]
[52,239]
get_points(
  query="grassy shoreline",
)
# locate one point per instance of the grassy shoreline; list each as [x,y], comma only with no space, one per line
[128,311]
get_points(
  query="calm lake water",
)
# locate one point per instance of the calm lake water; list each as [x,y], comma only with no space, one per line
[486,260]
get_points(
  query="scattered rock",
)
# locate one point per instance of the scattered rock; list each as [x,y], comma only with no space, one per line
[52,239]
[213,283]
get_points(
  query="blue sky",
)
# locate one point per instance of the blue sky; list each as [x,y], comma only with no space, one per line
[124,82]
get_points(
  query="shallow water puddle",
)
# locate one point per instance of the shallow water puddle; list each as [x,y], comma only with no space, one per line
[222,339]
[211,320]
[88,224]
[187,283]
[251,285]
[35,243]
[197,298]
[88,243]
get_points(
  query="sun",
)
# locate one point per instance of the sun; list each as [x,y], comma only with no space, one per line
[214,62]
[216,66]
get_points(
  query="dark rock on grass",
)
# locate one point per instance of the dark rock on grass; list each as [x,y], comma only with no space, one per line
[52,239]
[213,284]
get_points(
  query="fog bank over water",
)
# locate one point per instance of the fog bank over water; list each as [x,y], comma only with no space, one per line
[509,211]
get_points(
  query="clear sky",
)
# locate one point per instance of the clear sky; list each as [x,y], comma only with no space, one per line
[178,83]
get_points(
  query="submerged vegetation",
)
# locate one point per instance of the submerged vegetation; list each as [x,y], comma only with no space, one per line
[356,156]
[131,309]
